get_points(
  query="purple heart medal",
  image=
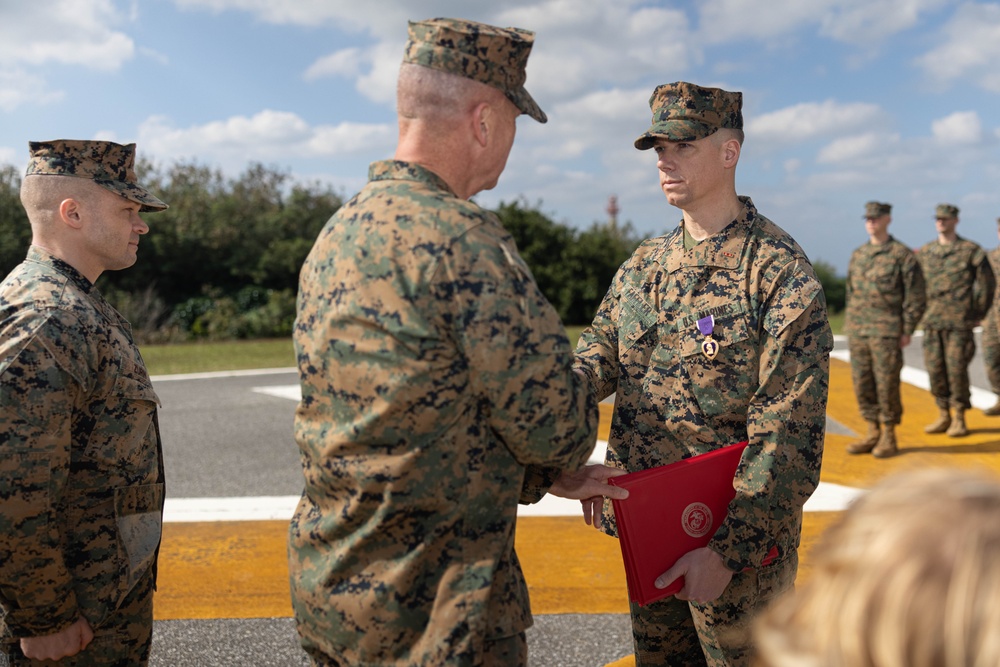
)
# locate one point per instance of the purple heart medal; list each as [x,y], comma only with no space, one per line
[709,346]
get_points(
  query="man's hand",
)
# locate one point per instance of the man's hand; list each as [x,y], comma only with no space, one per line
[61,645]
[590,486]
[705,576]
[904,340]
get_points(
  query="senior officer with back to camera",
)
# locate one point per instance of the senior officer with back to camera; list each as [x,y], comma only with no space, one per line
[437,383]
[81,468]
[713,334]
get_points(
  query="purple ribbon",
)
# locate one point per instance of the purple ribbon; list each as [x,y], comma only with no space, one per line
[706,325]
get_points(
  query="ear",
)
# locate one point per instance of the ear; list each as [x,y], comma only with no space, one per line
[731,152]
[482,117]
[71,213]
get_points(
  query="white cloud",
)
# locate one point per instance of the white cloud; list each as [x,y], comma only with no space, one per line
[18,87]
[346,62]
[10,156]
[963,127]
[812,120]
[850,21]
[267,135]
[70,32]
[970,47]
[848,150]
[65,32]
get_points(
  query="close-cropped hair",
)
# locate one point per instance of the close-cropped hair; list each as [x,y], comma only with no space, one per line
[423,93]
[909,577]
[43,193]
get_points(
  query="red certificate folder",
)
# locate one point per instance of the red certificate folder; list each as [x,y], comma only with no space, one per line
[671,510]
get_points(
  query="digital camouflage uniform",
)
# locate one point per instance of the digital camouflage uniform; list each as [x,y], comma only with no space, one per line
[768,384]
[960,287]
[81,475]
[885,300]
[991,334]
[435,375]
[437,393]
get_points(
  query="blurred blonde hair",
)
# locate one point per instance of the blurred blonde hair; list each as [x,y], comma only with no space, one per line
[909,577]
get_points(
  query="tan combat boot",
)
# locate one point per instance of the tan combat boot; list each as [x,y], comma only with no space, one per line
[886,446]
[867,443]
[957,428]
[942,423]
[994,411]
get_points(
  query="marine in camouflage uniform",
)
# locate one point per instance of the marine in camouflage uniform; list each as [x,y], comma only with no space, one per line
[81,472]
[991,337]
[960,288]
[750,288]
[437,393]
[885,301]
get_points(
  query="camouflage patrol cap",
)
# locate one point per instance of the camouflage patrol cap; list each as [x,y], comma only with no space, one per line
[876,209]
[686,112]
[477,51]
[946,211]
[108,164]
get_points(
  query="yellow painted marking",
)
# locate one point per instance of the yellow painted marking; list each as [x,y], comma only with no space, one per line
[239,569]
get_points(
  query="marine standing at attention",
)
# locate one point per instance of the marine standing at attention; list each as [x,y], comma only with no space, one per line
[81,468]
[885,301]
[960,287]
[713,334]
[437,383]
[991,337]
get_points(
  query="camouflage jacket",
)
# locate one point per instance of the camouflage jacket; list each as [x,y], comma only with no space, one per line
[81,475]
[768,383]
[436,381]
[991,316]
[960,284]
[885,291]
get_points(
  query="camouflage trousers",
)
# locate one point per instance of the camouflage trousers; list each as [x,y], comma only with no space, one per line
[675,633]
[875,365]
[991,350]
[947,355]
[123,640]
[503,652]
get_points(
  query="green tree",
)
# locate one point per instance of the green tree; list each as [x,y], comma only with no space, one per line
[573,269]
[834,286]
[15,231]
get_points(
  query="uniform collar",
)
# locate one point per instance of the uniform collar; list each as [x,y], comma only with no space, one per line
[723,250]
[398,170]
[42,256]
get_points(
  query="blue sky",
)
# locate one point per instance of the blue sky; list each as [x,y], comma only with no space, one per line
[844,100]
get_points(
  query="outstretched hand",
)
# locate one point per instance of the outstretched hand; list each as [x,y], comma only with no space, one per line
[590,486]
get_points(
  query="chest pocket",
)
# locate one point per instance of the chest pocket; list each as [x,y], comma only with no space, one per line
[637,334]
[121,442]
[884,277]
[722,386]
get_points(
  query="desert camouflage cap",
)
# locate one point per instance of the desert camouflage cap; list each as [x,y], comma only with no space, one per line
[108,164]
[876,209]
[481,52]
[946,211]
[685,112]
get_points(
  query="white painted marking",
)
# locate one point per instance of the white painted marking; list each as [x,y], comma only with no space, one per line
[256,508]
[290,391]
[222,374]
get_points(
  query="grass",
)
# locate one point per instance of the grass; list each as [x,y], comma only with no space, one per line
[271,353]
[218,356]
